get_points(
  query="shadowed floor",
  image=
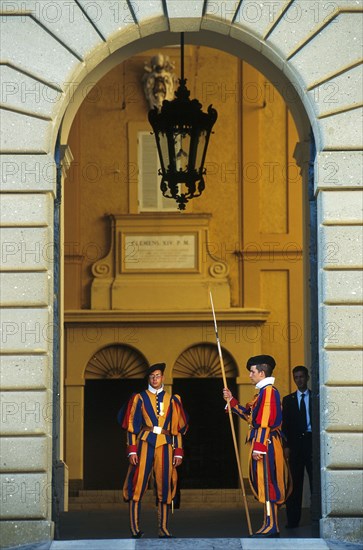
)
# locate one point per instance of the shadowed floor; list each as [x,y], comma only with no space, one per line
[184,523]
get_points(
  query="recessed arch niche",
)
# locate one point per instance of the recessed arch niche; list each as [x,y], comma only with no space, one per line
[116,361]
[197,377]
[202,361]
[112,374]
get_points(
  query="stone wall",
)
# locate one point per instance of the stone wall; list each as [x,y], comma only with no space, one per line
[50,53]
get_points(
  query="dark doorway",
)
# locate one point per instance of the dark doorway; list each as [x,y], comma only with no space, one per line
[210,461]
[105,462]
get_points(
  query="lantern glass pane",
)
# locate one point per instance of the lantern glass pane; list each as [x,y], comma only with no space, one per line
[200,150]
[182,144]
[164,151]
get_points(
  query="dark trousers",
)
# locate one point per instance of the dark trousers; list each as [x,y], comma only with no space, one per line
[299,459]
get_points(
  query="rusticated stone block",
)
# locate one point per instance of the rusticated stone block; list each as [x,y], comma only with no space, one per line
[341,411]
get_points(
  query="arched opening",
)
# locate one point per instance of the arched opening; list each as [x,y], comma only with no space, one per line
[197,377]
[112,375]
[257,95]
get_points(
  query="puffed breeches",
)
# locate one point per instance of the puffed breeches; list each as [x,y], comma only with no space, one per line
[279,480]
[157,460]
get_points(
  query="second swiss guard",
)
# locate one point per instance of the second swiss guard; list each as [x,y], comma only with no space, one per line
[268,472]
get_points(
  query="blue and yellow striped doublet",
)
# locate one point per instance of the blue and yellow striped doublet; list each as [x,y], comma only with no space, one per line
[155,424]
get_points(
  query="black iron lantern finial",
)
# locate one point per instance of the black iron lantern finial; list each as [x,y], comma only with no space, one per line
[182,134]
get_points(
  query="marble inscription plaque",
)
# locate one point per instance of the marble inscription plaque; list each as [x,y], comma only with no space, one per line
[159,252]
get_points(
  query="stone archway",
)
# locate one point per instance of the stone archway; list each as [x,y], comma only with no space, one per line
[57,46]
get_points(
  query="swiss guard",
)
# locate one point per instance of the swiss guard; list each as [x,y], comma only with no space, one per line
[155,422]
[268,472]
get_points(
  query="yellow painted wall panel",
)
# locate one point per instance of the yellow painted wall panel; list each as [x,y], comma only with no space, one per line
[279,288]
[275,333]
[272,154]
[271,177]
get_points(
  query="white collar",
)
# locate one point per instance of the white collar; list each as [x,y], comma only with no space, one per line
[155,392]
[299,393]
[265,382]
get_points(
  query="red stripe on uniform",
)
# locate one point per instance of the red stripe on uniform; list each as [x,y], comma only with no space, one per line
[260,408]
[273,413]
[125,422]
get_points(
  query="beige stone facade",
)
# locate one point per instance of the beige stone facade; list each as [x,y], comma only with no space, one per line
[53,55]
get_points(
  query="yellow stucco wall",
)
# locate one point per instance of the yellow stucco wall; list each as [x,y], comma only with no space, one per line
[253,193]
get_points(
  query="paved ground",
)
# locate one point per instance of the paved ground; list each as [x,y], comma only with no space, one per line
[196,529]
[199,544]
[185,523]
[196,544]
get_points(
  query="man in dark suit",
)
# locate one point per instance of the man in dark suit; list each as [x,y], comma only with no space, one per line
[296,426]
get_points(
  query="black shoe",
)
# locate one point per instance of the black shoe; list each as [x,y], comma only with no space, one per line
[166,536]
[138,535]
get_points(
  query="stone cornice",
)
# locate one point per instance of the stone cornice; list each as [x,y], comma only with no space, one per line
[233,315]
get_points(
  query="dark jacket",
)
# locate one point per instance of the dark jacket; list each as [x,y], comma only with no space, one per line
[290,419]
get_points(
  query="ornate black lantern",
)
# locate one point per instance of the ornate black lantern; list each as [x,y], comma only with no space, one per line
[182,134]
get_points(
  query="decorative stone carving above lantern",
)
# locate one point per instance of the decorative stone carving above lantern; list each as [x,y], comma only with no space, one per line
[159,262]
[159,80]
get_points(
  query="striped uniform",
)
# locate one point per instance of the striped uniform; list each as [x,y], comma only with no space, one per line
[264,416]
[145,411]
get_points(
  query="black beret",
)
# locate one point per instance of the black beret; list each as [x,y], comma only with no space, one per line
[157,366]
[261,360]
